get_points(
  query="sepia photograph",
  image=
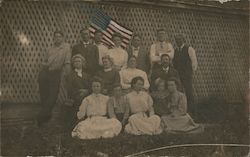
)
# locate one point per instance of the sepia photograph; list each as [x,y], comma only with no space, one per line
[125,78]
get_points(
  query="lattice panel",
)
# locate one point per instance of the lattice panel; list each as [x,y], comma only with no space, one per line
[221,42]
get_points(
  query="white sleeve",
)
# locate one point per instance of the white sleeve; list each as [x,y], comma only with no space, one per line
[123,84]
[153,57]
[171,50]
[146,82]
[193,58]
[82,109]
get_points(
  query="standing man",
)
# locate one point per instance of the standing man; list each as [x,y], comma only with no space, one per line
[89,51]
[102,49]
[162,46]
[57,59]
[185,62]
[142,56]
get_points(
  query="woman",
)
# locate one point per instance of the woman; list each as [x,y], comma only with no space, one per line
[118,54]
[78,88]
[143,120]
[178,120]
[109,76]
[92,115]
[117,106]
[131,72]
[160,97]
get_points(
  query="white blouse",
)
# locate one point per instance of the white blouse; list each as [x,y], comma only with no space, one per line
[93,105]
[120,57]
[126,76]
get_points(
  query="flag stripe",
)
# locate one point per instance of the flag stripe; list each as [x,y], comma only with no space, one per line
[117,30]
[121,28]
[104,23]
[103,31]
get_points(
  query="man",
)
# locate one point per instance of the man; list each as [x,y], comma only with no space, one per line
[185,62]
[164,71]
[162,46]
[142,56]
[102,49]
[57,59]
[88,51]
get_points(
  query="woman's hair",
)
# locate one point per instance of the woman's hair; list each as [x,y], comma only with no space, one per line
[58,32]
[132,57]
[175,80]
[108,58]
[136,35]
[116,35]
[134,80]
[78,56]
[97,79]
[158,81]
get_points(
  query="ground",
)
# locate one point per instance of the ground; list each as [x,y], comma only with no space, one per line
[23,139]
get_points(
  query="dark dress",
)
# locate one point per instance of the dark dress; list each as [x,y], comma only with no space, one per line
[109,78]
[160,102]
[74,84]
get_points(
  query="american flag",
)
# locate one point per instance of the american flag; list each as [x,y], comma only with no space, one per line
[104,23]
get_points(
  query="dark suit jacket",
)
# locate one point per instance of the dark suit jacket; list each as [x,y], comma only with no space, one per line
[91,54]
[143,62]
[160,73]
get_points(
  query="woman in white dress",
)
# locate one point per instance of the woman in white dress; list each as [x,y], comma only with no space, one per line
[143,120]
[92,115]
[178,120]
[118,54]
[126,75]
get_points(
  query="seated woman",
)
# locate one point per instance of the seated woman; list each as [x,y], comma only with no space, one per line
[109,75]
[131,72]
[178,120]
[92,115]
[143,120]
[77,87]
[117,106]
[160,97]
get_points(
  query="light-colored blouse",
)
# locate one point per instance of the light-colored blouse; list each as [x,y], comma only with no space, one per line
[177,104]
[140,102]
[120,57]
[93,105]
[126,76]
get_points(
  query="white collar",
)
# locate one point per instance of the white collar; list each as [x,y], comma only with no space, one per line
[85,43]
[96,95]
[165,69]
[106,70]
[136,48]
[78,72]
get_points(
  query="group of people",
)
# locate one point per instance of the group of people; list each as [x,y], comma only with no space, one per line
[114,90]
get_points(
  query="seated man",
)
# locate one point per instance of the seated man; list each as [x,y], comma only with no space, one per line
[164,71]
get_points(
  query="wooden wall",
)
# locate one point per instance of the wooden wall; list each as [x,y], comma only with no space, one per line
[221,42]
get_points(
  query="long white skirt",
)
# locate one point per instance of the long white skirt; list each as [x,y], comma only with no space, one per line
[180,124]
[97,127]
[141,124]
